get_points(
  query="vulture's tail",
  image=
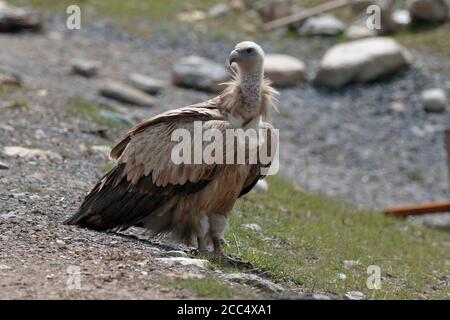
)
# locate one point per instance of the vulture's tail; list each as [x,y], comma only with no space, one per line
[117,204]
[102,199]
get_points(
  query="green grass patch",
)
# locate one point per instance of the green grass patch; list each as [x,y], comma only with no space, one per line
[84,109]
[209,288]
[305,240]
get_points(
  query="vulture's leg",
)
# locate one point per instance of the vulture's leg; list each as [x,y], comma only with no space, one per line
[202,247]
[201,234]
[218,224]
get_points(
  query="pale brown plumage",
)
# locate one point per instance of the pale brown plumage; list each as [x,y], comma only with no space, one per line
[189,200]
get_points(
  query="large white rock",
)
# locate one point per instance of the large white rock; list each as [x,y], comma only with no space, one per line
[324,25]
[185,262]
[199,73]
[361,61]
[127,94]
[434,100]
[356,32]
[284,70]
[145,83]
[429,10]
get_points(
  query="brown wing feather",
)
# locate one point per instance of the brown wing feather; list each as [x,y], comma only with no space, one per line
[145,178]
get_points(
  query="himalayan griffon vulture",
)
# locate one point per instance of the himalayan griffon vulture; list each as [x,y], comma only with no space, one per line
[191,201]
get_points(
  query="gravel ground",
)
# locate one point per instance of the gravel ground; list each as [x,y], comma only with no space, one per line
[348,144]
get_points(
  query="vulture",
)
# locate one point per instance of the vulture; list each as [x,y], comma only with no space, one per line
[190,200]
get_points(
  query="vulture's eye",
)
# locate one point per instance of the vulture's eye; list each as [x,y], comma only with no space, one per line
[249,50]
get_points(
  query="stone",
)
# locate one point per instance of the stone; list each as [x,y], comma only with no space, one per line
[86,68]
[124,93]
[10,79]
[434,100]
[252,226]
[284,70]
[402,18]
[397,106]
[320,296]
[361,61]
[355,295]
[31,154]
[192,16]
[176,253]
[199,73]
[146,84]
[3,166]
[253,280]
[218,10]
[355,32]
[429,10]
[14,19]
[186,262]
[323,25]
[102,150]
[351,263]
[270,10]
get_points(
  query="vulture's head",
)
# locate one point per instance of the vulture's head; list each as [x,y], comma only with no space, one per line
[248,56]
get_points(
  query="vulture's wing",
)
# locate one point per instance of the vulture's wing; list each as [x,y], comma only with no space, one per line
[145,178]
[255,172]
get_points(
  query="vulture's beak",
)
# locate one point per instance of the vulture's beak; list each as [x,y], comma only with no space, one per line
[234,55]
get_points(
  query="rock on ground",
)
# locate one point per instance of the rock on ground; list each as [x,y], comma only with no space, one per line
[30,154]
[355,295]
[124,93]
[218,10]
[324,25]
[361,61]
[147,84]
[199,73]
[13,19]
[254,280]
[284,70]
[3,166]
[186,262]
[356,32]
[270,10]
[10,79]
[86,68]
[434,100]
[429,10]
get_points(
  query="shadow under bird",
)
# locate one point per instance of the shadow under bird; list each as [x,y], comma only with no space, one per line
[190,201]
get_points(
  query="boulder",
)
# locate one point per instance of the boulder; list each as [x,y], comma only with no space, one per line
[146,84]
[199,73]
[218,10]
[255,281]
[185,262]
[284,70]
[356,32]
[126,94]
[10,79]
[434,100]
[361,61]
[429,10]
[86,68]
[323,25]
[13,19]
[270,10]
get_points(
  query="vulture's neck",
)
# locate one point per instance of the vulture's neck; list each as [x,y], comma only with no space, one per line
[251,82]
